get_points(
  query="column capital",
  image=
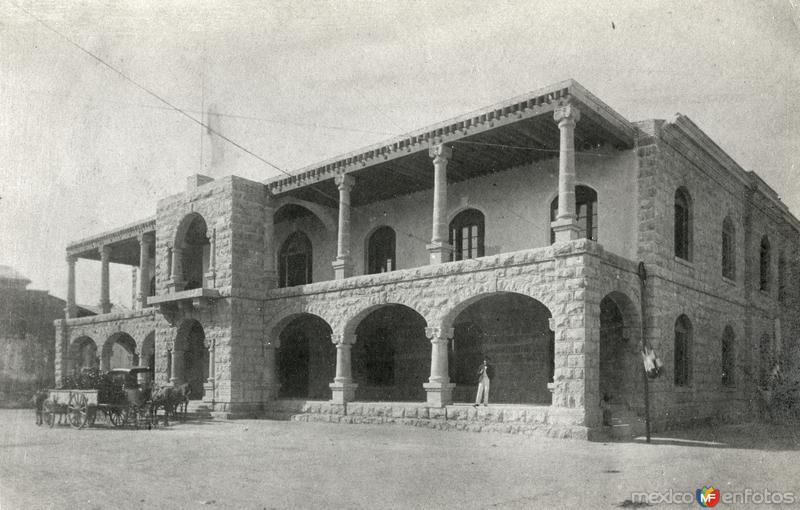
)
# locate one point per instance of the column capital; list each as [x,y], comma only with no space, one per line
[71,259]
[567,114]
[145,238]
[104,251]
[342,339]
[440,153]
[344,182]
[439,334]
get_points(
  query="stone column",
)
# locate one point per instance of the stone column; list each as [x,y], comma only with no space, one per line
[209,383]
[145,242]
[71,309]
[177,367]
[210,277]
[439,389]
[177,268]
[271,384]
[105,301]
[343,389]
[270,273]
[343,266]
[566,226]
[440,249]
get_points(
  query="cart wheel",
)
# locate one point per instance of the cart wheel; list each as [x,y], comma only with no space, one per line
[115,417]
[49,413]
[78,410]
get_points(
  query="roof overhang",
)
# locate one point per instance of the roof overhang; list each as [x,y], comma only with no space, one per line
[508,134]
[124,243]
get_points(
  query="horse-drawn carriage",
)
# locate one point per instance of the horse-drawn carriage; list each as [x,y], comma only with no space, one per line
[122,395]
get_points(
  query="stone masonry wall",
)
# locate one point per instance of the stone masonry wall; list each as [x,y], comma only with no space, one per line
[556,276]
[669,159]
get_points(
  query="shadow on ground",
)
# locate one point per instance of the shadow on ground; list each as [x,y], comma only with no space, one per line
[751,436]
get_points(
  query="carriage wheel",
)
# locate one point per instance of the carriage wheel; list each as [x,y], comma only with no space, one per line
[49,413]
[115,417]
[78,410]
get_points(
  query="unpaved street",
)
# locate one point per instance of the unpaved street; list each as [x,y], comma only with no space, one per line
[273,464]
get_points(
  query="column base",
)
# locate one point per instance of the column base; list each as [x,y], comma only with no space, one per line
[269,391]
[342,268]
[439,394]
[71,312]
[208,392]
[343,392]
[565,229]
[270,280]
[439,252]
[105,307]
[176,284]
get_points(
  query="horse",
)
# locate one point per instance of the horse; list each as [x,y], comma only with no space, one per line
[38,401]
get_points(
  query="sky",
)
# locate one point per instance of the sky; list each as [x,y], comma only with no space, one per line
[83,150]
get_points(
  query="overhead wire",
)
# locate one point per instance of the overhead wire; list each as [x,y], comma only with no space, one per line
[185,112]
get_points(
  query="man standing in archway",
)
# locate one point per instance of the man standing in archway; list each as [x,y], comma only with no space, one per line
[485,376]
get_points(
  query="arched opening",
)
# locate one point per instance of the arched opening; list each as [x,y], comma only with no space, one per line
[728,363]
[295,261]
[728,249]
[620,364]
[513,331]
[191,358]
[83,354]
[305,244]
[682,354]
[306,358]
[119,351]
[391,355]
[683,224]
[381,251]
[764,264]
[467,233]
[585,213]
[195,252]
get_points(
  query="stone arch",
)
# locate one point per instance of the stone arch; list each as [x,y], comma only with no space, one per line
[306,357]
[514,331]
[285,315]
[348,325]
[82,354]
[194,250]
[322,213]
[190,357]
[444,318]
[390,354]
[119,351]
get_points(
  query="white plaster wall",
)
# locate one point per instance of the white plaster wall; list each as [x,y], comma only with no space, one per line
[516,205]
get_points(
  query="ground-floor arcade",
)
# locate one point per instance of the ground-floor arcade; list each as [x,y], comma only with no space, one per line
[562,327]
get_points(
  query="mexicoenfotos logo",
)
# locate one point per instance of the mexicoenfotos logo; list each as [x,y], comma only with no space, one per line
[707,496]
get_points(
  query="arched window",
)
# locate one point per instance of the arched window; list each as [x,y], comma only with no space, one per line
[764,265]
[381,251]
[728,249]
[781,277]
[683,224]
[194,245]
[467,234]
[683,341]
[585,213]
[295,260]
[728,357]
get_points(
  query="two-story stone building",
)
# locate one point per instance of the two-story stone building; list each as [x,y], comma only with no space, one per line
[368,288]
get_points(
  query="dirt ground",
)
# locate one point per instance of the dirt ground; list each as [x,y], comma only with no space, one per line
[258,464]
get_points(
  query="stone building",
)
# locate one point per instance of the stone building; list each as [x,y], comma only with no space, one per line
[26,337]
[368,287]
